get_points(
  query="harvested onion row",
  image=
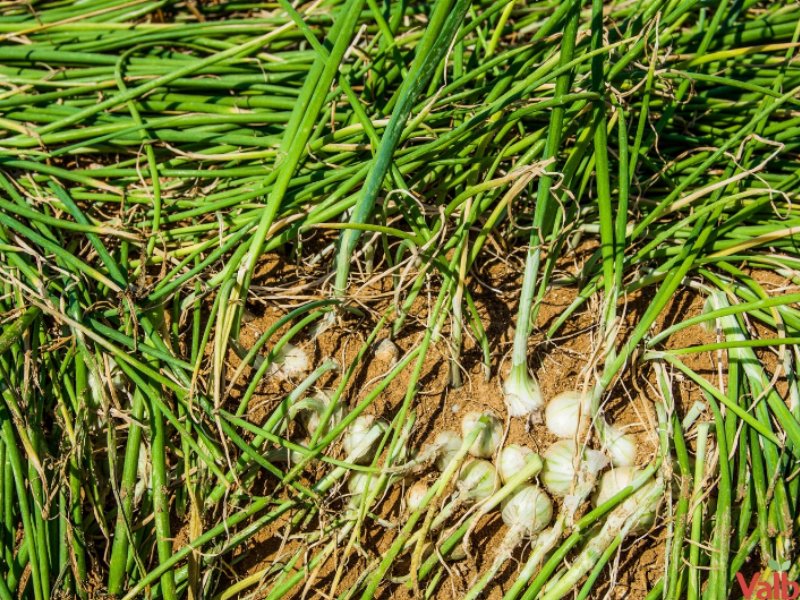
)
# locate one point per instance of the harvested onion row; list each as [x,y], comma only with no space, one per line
[630,516]
[570,472]
[528,472]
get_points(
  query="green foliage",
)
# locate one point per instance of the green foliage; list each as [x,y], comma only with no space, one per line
[155,156]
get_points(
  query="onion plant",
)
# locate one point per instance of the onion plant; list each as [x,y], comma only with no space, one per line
[196,198]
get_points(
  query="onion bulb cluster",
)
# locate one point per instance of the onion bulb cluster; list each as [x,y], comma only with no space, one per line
[489,475]
[563,416]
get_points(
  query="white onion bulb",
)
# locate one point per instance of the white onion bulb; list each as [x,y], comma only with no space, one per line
[558,473]
[361,438]
[441,452]
[621,447]
[488,439]
[477,480]
[387,352]
[614,481]
[312,409]
[528,508]
[447,444]
[415,495]
[289,363]
[526,512]
[562,415]
[359,484]
[522,393]
[512,460]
